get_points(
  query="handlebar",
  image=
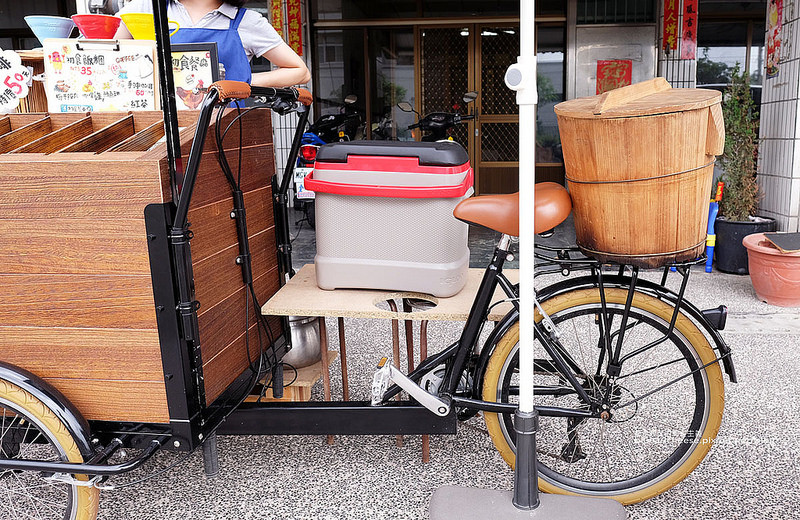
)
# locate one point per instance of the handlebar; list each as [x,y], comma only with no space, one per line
[238,90]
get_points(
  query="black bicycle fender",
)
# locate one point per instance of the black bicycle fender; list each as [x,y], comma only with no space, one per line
[55,401]
[652,289]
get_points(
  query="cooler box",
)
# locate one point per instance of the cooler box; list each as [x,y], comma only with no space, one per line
[385,216]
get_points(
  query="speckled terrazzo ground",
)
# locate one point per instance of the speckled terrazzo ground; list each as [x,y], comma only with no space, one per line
[753,471]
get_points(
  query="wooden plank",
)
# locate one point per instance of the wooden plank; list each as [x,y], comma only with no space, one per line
[105,138]
[25,134]
[142,140]
[300,389]
[225,367]
[258,167]
[100,400]
[214,230]
[785,242]
[219,276]
[5,125]
[88,300]
[57,140]
[90,353]
[79,246]
[620,96]
[226,320]
[52,187]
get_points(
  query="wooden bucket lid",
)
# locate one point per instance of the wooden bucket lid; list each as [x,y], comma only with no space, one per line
[647,98]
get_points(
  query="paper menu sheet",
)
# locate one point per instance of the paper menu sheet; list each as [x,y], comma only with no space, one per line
[100,75]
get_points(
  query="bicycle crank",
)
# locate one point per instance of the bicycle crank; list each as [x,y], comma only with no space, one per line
[387,375]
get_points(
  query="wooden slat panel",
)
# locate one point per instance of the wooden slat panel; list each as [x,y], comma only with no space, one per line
[226,366]
[74,246]
[103,139]
[214,230]
[98,353]
[25,134]
[218,276]
[20,120]
[77,301]
[258,167]
[100,120]
[226,320]
[5,125]
[47,188]
[57,140]
[141,141]
[99,400]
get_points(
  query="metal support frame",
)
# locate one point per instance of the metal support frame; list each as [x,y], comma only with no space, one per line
[336,418]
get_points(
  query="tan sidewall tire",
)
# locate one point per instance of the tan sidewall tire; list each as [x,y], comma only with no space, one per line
[683,324]
[87,498]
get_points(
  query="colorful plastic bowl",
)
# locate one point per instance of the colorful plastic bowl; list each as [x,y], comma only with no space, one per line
[142,25]
[97,26]
[44,27]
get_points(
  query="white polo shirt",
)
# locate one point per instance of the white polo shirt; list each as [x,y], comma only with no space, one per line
[255,31]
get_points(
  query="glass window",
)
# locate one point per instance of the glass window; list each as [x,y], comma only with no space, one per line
[615,11]
[465,8]
[551,7]
[720,47]
[391,55]
[342,72]
[363,9]
[550,85]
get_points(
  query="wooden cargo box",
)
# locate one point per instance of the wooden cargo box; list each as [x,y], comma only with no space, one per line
[76,293]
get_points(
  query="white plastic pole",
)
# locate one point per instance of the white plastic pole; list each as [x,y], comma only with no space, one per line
[522,78]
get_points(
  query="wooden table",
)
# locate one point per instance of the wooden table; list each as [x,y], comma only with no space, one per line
[301,297]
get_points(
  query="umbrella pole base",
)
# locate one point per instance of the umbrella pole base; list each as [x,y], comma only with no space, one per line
[462,503]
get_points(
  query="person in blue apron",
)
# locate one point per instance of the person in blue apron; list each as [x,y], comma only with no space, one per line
[239,34]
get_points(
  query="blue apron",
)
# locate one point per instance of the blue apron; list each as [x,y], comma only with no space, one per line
[229,46]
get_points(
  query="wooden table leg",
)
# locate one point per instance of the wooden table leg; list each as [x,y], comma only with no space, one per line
[343,357]
[396,355]
[409,336]
[326,378]
[423,353]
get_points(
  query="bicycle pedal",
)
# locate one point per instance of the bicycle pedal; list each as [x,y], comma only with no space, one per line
[381,381]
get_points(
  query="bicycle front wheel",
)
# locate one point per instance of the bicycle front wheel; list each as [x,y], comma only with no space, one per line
[651,441]
[30,430]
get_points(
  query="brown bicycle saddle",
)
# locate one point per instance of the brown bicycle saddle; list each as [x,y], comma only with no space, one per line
[501,212]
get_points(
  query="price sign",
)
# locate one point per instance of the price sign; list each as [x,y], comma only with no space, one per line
[14,79]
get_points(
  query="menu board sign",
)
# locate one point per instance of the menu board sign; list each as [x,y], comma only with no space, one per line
[195,66]
[100,75]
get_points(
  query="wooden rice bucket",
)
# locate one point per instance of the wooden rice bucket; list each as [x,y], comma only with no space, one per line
[639,162]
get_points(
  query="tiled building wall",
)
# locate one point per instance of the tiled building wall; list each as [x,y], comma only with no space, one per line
[779,149]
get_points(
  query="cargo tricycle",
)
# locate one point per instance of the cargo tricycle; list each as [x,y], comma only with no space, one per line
[131,319]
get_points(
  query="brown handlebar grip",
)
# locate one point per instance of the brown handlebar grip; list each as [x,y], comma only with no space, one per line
[229,89]
[304,96]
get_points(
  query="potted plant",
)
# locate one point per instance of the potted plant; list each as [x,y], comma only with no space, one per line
[740,198]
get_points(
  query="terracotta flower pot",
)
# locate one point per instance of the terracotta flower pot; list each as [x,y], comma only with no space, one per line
[775,275]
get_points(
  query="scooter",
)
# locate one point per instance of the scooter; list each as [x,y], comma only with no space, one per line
[436,126]
[330,128]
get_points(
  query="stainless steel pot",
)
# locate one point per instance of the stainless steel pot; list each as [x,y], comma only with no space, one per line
[305,342]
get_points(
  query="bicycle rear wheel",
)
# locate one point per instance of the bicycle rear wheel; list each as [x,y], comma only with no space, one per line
[30,430]
[645,447]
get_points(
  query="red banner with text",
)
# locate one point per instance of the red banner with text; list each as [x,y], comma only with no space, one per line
[276,15]
[295,19]
[689,31]
[613,74]
[671,15]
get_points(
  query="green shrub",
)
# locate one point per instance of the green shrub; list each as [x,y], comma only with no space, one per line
[740,196]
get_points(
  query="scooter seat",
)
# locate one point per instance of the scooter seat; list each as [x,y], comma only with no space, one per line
[501,212]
